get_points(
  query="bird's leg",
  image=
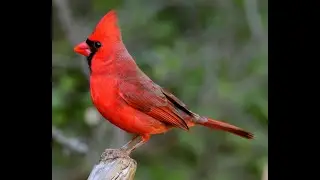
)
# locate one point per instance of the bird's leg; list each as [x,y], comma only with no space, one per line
[128,144]
[144,139]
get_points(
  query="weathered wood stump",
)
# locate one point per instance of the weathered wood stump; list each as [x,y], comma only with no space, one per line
[114,164]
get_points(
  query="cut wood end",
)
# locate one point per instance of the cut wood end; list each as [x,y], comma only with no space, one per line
[114,164]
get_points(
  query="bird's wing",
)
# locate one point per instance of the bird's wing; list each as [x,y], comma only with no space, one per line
[143,94]
[177,102]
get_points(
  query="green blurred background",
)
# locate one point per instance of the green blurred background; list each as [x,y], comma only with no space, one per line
[211,53]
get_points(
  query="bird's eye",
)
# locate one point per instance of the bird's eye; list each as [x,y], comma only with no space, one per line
[97,44]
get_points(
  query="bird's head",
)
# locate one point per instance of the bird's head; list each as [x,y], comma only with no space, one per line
[105,34]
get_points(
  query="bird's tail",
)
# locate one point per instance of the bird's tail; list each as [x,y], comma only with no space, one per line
[215,124]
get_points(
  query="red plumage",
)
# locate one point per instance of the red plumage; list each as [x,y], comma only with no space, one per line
[127,97]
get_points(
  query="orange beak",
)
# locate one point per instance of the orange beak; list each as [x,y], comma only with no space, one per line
[82,49]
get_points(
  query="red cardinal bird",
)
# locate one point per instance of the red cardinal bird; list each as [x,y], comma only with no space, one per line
[127,97]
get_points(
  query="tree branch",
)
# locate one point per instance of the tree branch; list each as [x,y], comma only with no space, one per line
[70,27]
[114,165]
[265,173]
[70,143]
[254,18]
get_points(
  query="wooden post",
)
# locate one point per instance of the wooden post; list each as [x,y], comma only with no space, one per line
[114,165]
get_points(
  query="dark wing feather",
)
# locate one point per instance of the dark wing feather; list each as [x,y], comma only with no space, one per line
[143,94]
[177,102]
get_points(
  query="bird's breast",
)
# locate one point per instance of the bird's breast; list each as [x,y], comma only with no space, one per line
[104,95]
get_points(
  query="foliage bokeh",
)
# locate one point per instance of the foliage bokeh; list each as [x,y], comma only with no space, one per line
[211,53]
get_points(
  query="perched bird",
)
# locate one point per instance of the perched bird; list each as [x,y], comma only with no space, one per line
[127,97]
